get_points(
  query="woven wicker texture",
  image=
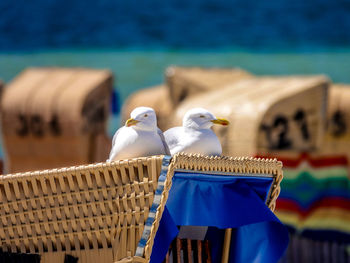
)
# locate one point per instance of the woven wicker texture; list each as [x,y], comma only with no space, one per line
[52,116]
[259,110]
[92,212]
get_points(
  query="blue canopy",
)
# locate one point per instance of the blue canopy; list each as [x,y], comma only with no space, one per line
[220,202]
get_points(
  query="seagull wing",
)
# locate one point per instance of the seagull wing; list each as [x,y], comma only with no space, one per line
[115,137]
[112,153]
[172,137]
[161,135]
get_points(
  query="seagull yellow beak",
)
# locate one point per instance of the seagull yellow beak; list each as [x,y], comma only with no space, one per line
[131,122]
[223,122]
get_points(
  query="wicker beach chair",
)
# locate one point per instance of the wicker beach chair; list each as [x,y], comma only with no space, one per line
[106,212]
[94,213]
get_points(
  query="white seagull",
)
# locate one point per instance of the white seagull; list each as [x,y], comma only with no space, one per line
[139,137]
[195,135]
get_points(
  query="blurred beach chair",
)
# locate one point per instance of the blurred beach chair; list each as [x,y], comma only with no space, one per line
[267,114]
[337,133]
[186,82]
[180,83]
[1,88]
[55,117]
[110,212]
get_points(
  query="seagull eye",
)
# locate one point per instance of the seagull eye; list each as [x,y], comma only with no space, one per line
[146,115]
[201,116]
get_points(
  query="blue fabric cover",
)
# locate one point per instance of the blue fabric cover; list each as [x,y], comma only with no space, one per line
[221,202]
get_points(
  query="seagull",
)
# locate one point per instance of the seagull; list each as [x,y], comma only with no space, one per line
[195,135]
[139,137]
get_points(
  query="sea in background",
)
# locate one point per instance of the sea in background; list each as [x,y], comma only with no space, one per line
[137,40]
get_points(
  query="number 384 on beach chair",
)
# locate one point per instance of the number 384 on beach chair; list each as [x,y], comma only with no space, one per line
[131,210]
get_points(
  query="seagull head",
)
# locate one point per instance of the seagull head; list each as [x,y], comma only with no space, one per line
[199,118]
[142,118]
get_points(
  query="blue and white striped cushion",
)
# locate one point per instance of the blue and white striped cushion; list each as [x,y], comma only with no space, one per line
[155,204]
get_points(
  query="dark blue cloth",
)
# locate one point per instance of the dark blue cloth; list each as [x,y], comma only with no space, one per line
[115,102]
[224,202]
[167,231]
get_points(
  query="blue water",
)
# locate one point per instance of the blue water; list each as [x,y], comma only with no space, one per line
[208,24]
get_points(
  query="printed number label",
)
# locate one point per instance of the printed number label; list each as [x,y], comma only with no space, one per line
[337,124]
[35,125]
[280,129]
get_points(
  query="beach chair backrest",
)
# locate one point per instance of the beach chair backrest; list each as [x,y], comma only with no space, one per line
[267,114]
[186,82]
[93,213]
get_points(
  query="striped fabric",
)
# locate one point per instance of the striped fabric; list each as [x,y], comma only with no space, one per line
[315,197]
[155,204]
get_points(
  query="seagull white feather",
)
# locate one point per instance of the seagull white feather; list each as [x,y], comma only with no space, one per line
[195,135]
[139,137]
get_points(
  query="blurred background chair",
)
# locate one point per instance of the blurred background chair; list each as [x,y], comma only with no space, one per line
[54,117]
